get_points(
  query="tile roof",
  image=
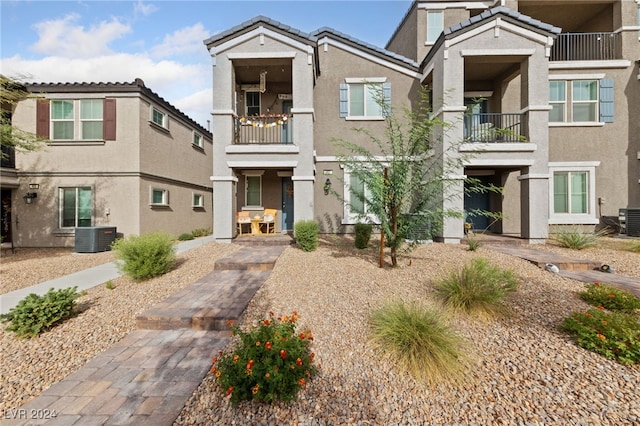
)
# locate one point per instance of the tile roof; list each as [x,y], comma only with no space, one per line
[257,20]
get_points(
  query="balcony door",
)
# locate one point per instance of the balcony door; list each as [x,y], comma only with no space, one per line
[287,129]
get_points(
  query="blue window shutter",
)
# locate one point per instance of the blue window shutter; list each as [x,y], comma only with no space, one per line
[606,100]
[344,99]
[386,94]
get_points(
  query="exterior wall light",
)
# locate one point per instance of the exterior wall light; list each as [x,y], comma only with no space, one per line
[29,196]
[327,186]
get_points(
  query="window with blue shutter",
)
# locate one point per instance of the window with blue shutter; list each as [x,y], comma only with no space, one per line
[606,100]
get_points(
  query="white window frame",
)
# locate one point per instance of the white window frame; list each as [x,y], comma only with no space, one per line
[589,218]
[434,13]
[164,115]
[246,102]
[569,99]
[197,200]
[349,217]
[76,119]
[61,191]
[247,174]
[165,196]
[378,81]
[197,140]
[563,102]
[90,120]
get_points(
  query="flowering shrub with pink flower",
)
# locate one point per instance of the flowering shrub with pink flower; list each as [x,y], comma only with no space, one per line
[270,361]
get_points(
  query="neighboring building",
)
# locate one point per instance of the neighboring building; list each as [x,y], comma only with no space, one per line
[561,75]
[117,154]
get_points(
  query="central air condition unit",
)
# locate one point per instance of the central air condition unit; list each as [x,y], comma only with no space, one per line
[94,239]
[633,222]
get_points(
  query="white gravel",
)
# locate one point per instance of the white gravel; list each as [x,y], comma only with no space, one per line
[526,371]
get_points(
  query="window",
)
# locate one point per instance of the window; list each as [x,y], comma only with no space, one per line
[252,103]
[581,101]
[435,25]
[91,118]
[160,118]
[361,99]
[198,200]
[197,140]
[75,207]
[253,189]
[159,197]
[356,200]
[62,120]
[572,193]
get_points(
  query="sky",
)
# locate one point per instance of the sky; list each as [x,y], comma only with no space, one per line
[160,42]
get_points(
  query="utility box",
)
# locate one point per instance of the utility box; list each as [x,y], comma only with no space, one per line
[633,222]
[94,239]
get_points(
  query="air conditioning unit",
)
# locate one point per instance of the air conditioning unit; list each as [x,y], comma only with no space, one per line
[94,239]
[633,222]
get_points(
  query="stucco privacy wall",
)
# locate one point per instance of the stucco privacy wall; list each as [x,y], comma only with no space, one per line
[261,43]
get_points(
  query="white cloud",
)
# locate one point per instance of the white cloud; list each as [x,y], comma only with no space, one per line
[63,37]
[184,40]
[142,9]
[199,105]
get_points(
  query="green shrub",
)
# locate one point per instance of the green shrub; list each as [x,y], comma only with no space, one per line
[270,362]
[611,298]
[478,289]
[473,242]
[363,234]
[306,234]
[185,237]
[145,256]
[35,314]
[614,335]
[419,340]
[109,285]
[576,239]
[201,232]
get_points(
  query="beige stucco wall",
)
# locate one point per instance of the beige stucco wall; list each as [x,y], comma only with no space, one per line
[115,171]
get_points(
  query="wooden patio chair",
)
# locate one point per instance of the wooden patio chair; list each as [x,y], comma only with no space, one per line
[243,219]
[268,223]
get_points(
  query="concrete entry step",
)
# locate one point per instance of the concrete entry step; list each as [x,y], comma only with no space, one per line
[206,304]
[254,258]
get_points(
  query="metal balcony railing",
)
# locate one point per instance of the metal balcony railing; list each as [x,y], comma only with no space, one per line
[586,47]
[264,129]
[494,127]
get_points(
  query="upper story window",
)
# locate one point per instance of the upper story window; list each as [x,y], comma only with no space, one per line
[435,25]
[365,98]
[252,103]
[67,123]
[581,101]
[159,118]
[197,140]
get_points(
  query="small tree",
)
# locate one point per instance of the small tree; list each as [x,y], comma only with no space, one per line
[404,182]
[12,138]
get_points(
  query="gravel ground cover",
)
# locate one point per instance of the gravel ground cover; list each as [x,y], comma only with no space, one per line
[525,370]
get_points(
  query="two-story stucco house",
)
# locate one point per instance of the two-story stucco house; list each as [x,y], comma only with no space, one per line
[117,155]
[561,75]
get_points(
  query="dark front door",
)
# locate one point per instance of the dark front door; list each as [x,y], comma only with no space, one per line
[478,201]
[287,204]
[5,216]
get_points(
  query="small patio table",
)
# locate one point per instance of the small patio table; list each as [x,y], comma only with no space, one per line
[255,225]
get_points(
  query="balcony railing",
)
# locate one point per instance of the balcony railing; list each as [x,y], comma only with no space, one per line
[494,128]
[586,47]
[264,129]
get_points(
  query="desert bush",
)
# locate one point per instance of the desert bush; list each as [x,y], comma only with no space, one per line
[201,232]
[478,289]
[614,335]
[473,242]
[270,362]
[146,256]
[634,246]
[306,234]
[611,298]
[576,239]
[419,340]
[35,314]
[185,237]
[363,234]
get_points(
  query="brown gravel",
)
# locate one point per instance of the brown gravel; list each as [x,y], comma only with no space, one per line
[525,370]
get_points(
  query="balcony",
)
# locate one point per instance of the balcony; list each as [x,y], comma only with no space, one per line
[263,129]
[494,128]
[587,47]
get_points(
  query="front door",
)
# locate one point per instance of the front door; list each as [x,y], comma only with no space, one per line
[5,216]
[478,201]
[287,204]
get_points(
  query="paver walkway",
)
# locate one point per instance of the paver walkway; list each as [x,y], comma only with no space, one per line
[147,377]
